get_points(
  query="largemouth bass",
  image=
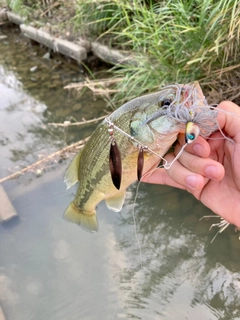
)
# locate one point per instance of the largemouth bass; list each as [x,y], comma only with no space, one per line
[129,143]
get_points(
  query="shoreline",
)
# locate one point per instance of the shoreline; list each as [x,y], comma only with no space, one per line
[79,49]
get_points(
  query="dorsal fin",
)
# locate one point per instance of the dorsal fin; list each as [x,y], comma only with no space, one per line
[71,174]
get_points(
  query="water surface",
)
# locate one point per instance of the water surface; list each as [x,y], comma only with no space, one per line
[52,269]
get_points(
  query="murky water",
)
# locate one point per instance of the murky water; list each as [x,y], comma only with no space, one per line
[52,269]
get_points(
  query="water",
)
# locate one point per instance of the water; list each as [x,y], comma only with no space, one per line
[52,269]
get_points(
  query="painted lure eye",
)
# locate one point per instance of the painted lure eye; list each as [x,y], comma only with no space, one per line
[192,132]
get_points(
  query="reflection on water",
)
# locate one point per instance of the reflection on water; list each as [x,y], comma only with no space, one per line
[52,269]
[183,276]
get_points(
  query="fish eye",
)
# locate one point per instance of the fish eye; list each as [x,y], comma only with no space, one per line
[166,102]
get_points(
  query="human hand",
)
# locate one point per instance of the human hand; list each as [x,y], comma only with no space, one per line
[210,170]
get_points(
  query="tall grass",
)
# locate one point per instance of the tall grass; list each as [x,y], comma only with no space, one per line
[173,41]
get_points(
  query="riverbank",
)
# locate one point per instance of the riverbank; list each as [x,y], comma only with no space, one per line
[158,43]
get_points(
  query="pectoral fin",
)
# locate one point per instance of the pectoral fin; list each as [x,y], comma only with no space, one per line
[115,203]
[87,221]
[71,174]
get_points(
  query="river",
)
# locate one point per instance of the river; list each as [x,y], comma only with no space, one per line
[52,269]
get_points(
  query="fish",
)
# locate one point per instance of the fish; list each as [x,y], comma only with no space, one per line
[129,143]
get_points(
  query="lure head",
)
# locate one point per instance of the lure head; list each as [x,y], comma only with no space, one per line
[192,132]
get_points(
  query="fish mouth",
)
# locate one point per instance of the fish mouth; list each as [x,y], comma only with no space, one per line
[185,97]
[188,106]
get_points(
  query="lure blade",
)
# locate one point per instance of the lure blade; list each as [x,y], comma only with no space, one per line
[140,164]
[115,164]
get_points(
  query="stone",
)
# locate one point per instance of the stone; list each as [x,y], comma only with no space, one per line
[47,56]
[33,69]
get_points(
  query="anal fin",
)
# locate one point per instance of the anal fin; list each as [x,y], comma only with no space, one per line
[116,202]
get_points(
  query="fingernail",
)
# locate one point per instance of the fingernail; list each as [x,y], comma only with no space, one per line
[212,172]
[198,149]
[192,182]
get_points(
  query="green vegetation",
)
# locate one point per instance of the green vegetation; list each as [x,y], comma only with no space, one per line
[22,7]
[172,41]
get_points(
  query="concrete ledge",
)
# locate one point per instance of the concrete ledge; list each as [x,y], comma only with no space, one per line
[7,211]
[111,56]
[3,16]
[15,18]
[70,49]
[64,47]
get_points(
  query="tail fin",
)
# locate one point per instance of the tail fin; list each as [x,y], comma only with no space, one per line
[85,220]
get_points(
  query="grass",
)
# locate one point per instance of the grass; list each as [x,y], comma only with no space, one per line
[173,41]
[18,6]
